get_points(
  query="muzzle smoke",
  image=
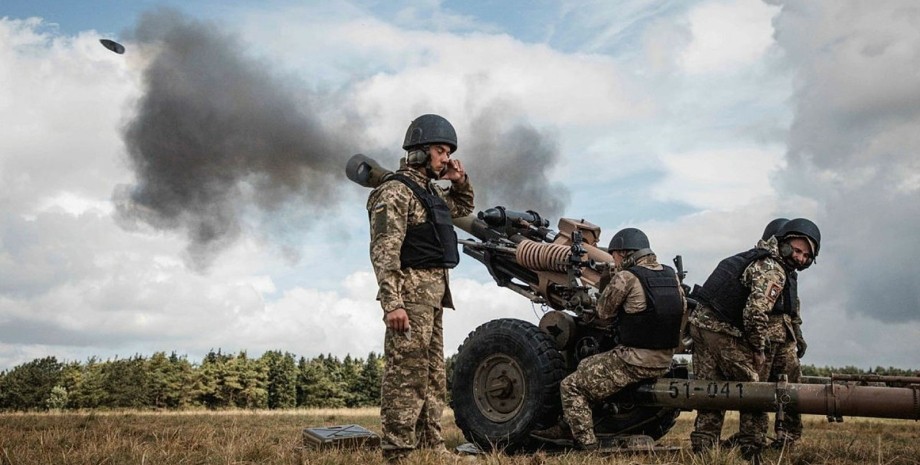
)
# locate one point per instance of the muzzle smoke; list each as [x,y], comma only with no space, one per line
[215,133]
[219,144]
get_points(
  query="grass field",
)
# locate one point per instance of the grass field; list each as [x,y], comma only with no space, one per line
[244,437]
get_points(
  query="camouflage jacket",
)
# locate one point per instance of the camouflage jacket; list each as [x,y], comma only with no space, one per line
[392,207]
[625,293]
[781,328]
[765,278]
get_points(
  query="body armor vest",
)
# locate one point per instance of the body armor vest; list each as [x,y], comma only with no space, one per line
[432,244]
[786,303]
[724,291]
[658,326]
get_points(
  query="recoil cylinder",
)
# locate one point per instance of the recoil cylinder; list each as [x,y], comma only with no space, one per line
[542,257]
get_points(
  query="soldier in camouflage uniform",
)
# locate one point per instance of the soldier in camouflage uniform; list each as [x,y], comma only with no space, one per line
[785,330]
[647,304]
[785,345]
[730,329]
[413,245]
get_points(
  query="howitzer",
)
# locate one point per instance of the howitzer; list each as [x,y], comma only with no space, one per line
[506,375]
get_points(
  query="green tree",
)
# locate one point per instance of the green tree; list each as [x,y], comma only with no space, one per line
[252,378]
[124,382]
[169,381]
[205,390]
[367,391]
[349,375]
[317,385]
[231,381]
[87,389]
[57,400]
[27,386]
[282,379]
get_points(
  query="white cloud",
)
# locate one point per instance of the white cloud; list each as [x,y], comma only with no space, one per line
[411,70]
[722,179]
[727,35]
[75,204]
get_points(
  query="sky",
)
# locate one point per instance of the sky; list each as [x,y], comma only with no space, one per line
[189,195]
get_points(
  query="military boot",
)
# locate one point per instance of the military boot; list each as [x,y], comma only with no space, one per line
[782,442]
[752,453]
[702,443]
[559,434]
[730,443]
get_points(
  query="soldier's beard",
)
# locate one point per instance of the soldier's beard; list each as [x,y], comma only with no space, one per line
[435,175]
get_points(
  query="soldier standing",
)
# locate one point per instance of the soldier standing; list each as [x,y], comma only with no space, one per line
[730,329]
[784,333]
[647,304]
[413,245]
[785,346]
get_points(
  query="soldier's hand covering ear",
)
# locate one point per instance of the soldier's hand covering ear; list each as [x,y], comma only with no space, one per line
[454,171]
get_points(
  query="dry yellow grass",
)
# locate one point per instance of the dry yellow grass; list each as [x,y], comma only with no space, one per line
[274,437]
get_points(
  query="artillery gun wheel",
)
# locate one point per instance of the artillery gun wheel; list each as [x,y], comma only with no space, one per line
[629,419]
[506,384]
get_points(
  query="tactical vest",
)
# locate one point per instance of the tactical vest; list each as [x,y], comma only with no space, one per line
[432,244]
[658,326]
[786,303]
[724,291]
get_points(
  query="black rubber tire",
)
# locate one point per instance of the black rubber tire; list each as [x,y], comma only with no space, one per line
[650,421]
[631,419]
[537,368]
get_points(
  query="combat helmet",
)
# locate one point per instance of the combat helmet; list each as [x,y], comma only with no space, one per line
[629,239]
[426,130]
[800,227]
[632,240]
[773,227]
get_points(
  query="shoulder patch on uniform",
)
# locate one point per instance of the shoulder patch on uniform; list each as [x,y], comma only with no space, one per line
[379,215]
[774,291]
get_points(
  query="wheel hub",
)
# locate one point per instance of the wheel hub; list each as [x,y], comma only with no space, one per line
[498,388]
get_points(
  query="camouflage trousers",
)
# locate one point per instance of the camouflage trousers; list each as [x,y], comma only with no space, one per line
[720,357]
[414,384]
[597,377]
[782,360]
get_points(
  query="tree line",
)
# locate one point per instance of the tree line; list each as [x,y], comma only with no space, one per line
[276,380]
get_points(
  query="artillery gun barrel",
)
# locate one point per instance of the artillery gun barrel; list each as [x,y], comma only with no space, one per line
[834,400]
[484,246]
[476,227]
[872,378]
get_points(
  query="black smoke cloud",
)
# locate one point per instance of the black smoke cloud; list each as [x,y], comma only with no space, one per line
[216,133]
[854,144]
[218,140]
[512,165]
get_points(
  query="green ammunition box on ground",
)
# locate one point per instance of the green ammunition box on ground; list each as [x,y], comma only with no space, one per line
[340,437]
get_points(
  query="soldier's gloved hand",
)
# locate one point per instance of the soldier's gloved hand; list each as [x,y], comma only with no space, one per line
[800,344]
[800,347]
